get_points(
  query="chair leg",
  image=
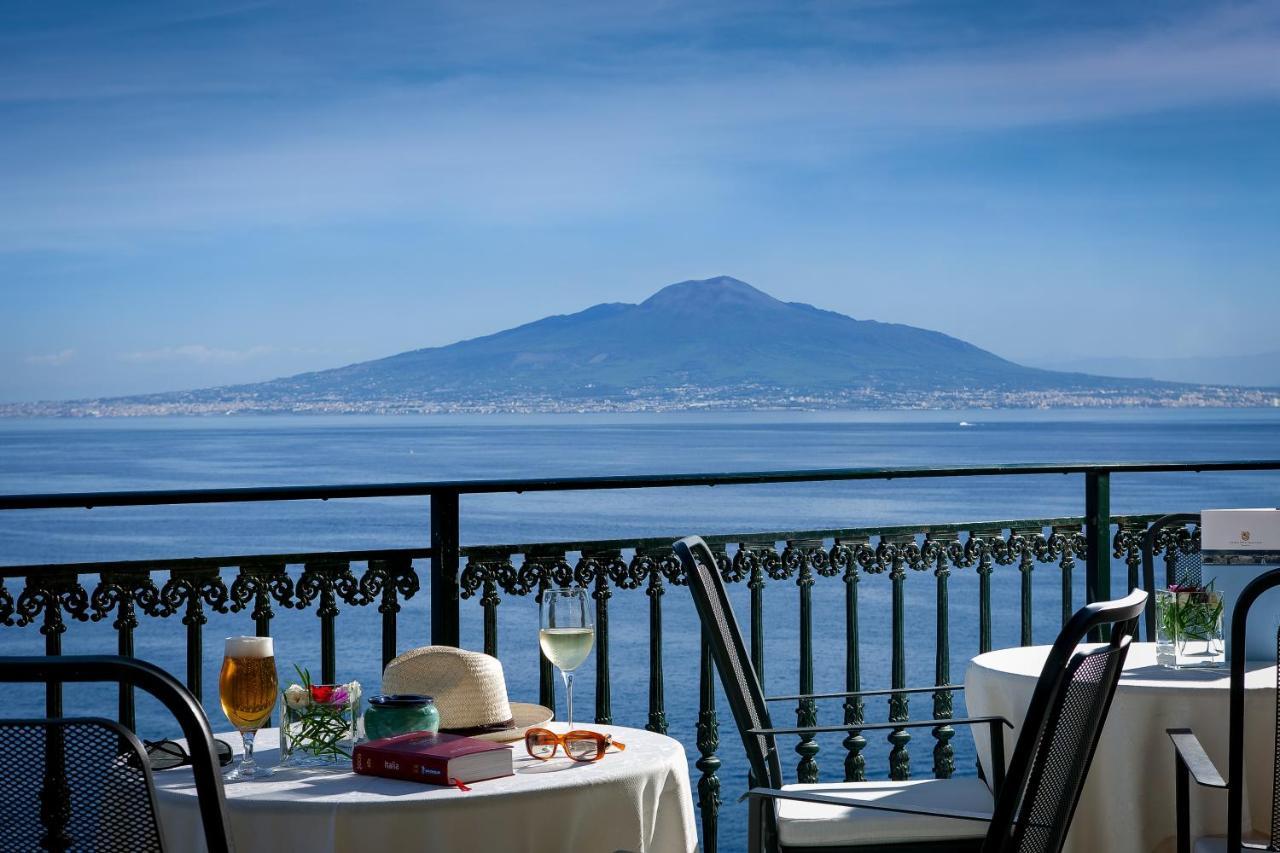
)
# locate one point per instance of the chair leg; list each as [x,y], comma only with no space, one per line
[755,825]
[1182,804]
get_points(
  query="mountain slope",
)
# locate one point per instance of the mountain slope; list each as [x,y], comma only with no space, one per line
[712,333]
[696,344]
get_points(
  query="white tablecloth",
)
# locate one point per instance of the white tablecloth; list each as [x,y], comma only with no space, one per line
[1128,801]
[634,800]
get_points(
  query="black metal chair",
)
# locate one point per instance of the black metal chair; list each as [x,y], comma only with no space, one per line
[85,783]
[1192,762]
[1032,803]
[1179,544]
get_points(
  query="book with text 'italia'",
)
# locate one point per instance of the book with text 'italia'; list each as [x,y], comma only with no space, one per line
[436,759]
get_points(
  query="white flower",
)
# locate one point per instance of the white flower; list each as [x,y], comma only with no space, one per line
[353,690]
[297,698]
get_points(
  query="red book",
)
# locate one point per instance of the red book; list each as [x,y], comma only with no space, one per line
[433,758]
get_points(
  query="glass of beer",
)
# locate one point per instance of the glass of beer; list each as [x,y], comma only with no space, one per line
[247,689]
[566,635]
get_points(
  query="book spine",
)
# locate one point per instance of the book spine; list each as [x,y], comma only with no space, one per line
[409,768]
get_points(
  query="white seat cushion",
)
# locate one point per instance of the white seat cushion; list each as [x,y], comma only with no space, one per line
[803,824]
[1218,843]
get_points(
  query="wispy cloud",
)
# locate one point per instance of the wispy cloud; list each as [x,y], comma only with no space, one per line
[599,130]
[198,354]
[56,359]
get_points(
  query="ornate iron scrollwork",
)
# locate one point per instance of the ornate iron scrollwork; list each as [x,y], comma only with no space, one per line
[389,581]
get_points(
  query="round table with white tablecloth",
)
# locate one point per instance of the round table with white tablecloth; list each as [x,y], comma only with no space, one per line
[1128,801]
[635,800]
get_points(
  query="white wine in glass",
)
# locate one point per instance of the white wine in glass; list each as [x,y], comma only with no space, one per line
[247,689]
[566,635]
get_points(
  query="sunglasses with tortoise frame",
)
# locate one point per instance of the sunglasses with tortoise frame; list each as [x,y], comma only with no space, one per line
[578,745]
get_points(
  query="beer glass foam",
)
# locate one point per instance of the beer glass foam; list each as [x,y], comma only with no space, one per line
[249,647]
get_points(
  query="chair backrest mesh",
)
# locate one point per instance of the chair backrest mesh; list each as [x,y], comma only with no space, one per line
[75,785]
[1184,565]
[1059,733]
[741,687]
[1064,749]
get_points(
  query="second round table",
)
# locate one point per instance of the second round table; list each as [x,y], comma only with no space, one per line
[1128,802]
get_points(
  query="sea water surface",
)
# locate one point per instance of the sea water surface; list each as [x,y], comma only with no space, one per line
[60,456]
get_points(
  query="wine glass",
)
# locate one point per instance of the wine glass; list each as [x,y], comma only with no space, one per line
[566,635]
[247,689]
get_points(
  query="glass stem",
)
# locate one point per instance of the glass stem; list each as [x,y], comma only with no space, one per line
[568,695]
[246,761]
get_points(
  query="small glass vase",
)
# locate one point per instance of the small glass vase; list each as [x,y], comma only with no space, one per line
[1189,628]
[321,731]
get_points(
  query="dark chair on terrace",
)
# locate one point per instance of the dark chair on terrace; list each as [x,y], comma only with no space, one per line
[85,783]
[1027,810]
[1192,762]
[1170,537]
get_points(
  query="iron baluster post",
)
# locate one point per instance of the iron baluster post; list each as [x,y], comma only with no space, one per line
[1128,544]
[601,593]
[191,587]
[855,763]
[262,610]
[126,621]
[657,702]
[755,583]
[1020,544]
[116,591]
[807,710]
[546,684]
[445,605]
[708,741]
[489,601]
[1064,539]
[1066,566]
[1097,535]
[396,575]
[317,583]
[53,629]
[980,542]
[944,763]
[899,711]
[484,571]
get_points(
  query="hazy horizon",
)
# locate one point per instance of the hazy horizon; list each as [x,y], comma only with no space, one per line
[200,198]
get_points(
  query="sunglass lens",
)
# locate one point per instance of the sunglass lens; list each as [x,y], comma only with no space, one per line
[223,751]
[582,748]
[540,744]
[165,754]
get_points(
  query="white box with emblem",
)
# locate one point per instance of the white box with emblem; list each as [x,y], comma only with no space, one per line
[1237,545]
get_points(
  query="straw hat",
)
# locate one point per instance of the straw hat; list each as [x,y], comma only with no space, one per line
[469,691]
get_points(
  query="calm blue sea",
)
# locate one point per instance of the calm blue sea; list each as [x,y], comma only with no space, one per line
[55,456]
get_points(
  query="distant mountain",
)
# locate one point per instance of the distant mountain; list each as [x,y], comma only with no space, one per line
[718,332]
[1262,370]
[716,343]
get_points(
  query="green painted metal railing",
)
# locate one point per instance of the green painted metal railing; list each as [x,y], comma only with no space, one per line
[385,578]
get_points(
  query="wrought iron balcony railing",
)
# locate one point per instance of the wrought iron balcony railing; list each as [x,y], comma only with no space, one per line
[46,596]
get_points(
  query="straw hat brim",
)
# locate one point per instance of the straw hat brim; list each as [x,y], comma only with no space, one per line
[525,715]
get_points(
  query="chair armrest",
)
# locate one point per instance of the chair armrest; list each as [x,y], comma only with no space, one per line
[1192,756]
[937,688]
[904,724]
[807,797]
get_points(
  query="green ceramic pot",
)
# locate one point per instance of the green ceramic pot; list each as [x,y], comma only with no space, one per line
[400,714]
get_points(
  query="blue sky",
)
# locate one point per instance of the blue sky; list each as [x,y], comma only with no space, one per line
[195,197]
